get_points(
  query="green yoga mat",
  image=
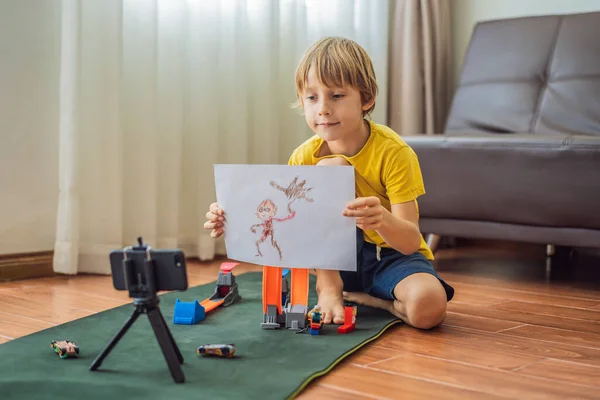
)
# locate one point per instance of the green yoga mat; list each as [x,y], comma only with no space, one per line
[269,364]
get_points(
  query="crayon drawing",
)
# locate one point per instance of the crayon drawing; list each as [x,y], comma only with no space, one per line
[266,213]
[288,215]
[267,210]
[294,190]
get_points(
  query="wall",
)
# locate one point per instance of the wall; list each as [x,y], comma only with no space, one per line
[29,105]
[30,51]
[466,13]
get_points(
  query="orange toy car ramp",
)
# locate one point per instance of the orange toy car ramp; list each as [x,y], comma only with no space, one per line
[210,305]
[271,288]
[225,294]
[299,286]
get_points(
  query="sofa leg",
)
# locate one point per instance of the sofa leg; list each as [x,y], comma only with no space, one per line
[433,241]
[550,250]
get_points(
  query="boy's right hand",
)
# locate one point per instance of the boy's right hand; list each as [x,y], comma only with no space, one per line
[216,218]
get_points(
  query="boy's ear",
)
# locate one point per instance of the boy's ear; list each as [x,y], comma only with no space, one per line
[368,104]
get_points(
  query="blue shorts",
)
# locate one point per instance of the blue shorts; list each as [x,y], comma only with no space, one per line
[379,277]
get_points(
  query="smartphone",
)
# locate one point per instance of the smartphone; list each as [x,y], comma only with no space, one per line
[170,270]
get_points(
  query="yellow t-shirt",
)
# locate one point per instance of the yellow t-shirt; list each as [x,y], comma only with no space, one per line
[385,167]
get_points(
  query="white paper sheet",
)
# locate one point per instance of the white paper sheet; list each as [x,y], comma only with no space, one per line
[316,236]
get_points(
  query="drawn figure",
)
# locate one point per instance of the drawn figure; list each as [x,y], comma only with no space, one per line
[266,211]
[294,191]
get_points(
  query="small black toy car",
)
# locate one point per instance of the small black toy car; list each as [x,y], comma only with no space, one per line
[218,350]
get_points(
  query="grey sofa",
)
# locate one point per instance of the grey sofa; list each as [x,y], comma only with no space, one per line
[520,155]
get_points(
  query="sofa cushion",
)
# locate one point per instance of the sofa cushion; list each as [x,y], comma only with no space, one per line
[531,75]
[551,181]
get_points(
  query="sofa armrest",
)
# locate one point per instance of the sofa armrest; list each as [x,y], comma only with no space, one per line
[511,178]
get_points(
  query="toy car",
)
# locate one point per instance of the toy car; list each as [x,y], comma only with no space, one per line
[65,348]
[218,350]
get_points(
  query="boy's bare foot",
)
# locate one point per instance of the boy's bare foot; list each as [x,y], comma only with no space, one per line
[332,305]
[329,289]
[365,299]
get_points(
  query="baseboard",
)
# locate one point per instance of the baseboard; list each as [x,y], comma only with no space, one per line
[26,265]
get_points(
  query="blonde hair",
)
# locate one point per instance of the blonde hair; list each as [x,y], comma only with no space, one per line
[338,62]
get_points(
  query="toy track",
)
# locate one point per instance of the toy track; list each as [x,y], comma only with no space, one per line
[225,294]
[222,293]
[210,305]
[299,286]
[271,288]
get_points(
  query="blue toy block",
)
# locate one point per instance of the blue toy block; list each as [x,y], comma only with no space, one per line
[188,313]
[285,287]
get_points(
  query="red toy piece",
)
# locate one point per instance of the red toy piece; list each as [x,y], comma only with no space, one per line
[228,266]
[349,320]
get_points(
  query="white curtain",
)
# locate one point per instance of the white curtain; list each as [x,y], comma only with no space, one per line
[153,93]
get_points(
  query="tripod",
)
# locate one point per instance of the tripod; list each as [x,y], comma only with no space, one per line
[146,302]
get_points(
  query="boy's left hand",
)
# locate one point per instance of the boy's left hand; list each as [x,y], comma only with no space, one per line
[368,212]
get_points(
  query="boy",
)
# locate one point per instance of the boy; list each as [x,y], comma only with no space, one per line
[336,88]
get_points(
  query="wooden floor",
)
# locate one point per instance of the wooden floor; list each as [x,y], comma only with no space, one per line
[515,329]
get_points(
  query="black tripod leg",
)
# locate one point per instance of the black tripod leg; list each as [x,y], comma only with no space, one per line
[98,361]
[179,356]
[161,330]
